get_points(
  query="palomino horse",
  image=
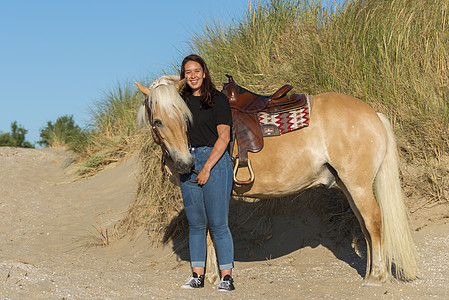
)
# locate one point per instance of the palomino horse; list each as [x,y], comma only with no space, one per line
[346,142]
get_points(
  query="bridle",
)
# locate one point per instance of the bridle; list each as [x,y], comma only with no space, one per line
[156,135]
[158,140]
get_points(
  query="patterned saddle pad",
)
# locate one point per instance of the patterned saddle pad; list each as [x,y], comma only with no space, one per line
[285,121]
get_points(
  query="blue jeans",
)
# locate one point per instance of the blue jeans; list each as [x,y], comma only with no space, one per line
[209,202]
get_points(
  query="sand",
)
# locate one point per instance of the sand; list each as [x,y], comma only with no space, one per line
[47,222]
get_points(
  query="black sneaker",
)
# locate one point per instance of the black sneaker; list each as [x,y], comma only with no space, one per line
[194,282]
[226,284]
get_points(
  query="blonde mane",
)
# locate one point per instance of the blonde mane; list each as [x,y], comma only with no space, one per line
[165,99]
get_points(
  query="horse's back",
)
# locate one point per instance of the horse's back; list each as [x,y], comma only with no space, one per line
[341,107]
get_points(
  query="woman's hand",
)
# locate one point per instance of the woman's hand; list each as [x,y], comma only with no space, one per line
[203,176]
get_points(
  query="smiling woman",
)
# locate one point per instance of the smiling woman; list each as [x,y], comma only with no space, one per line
[194,74]
[206,195]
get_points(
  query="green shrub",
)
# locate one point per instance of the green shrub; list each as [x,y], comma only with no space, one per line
[16,138]
[61,133]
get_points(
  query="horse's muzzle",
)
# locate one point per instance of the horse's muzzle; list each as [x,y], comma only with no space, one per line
[184,166]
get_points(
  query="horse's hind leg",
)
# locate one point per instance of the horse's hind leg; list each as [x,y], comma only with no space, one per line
[367,211]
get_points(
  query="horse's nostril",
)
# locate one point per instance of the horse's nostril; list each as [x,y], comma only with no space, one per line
[191,162]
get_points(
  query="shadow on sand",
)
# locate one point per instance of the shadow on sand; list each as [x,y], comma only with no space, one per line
[272,228]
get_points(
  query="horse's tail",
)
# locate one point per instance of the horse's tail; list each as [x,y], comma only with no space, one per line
[398,247]
[142,117]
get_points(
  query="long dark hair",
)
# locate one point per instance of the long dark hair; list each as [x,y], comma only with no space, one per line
[207,89]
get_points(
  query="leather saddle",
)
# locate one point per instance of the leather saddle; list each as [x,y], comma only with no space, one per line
[247,130]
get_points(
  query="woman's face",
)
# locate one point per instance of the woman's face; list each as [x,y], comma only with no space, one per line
[194,74]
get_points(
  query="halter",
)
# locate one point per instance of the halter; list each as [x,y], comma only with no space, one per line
[158,140]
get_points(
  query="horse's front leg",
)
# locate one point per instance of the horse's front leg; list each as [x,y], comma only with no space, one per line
[212,273]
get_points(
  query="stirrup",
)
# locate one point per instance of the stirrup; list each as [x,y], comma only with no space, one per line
[236,168]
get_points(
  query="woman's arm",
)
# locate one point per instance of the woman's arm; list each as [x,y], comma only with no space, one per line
[224,135]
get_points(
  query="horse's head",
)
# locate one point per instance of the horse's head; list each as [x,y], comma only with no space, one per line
[167,114]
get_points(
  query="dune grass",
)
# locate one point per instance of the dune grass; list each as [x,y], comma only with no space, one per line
[392,54]
[157,200]
[111,133]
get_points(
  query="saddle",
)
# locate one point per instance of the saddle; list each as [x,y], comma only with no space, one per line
[245,106]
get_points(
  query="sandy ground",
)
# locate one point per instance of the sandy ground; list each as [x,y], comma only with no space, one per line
[47,220]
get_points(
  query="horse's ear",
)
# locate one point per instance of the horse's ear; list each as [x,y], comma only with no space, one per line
[145,90]
[180,84]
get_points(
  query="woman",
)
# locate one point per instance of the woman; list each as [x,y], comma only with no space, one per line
[207,200]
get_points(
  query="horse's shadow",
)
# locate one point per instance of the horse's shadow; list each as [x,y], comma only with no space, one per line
[273,228]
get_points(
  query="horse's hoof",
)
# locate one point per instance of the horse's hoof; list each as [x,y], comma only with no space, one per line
[213,279]
[372,283]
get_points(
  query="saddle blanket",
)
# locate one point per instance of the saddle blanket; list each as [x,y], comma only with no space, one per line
[285,121]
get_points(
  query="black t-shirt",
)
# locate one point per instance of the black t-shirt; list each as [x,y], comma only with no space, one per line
[203,131]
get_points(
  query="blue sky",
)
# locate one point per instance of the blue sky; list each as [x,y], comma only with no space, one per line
[58,57]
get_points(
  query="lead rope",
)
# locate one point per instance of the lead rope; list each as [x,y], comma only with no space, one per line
[192,181]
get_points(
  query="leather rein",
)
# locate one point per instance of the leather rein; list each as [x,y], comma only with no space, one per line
[158,140]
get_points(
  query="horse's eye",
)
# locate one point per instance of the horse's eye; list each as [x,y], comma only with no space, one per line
[158,122]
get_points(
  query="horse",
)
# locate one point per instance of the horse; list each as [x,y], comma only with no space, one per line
[346,143]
